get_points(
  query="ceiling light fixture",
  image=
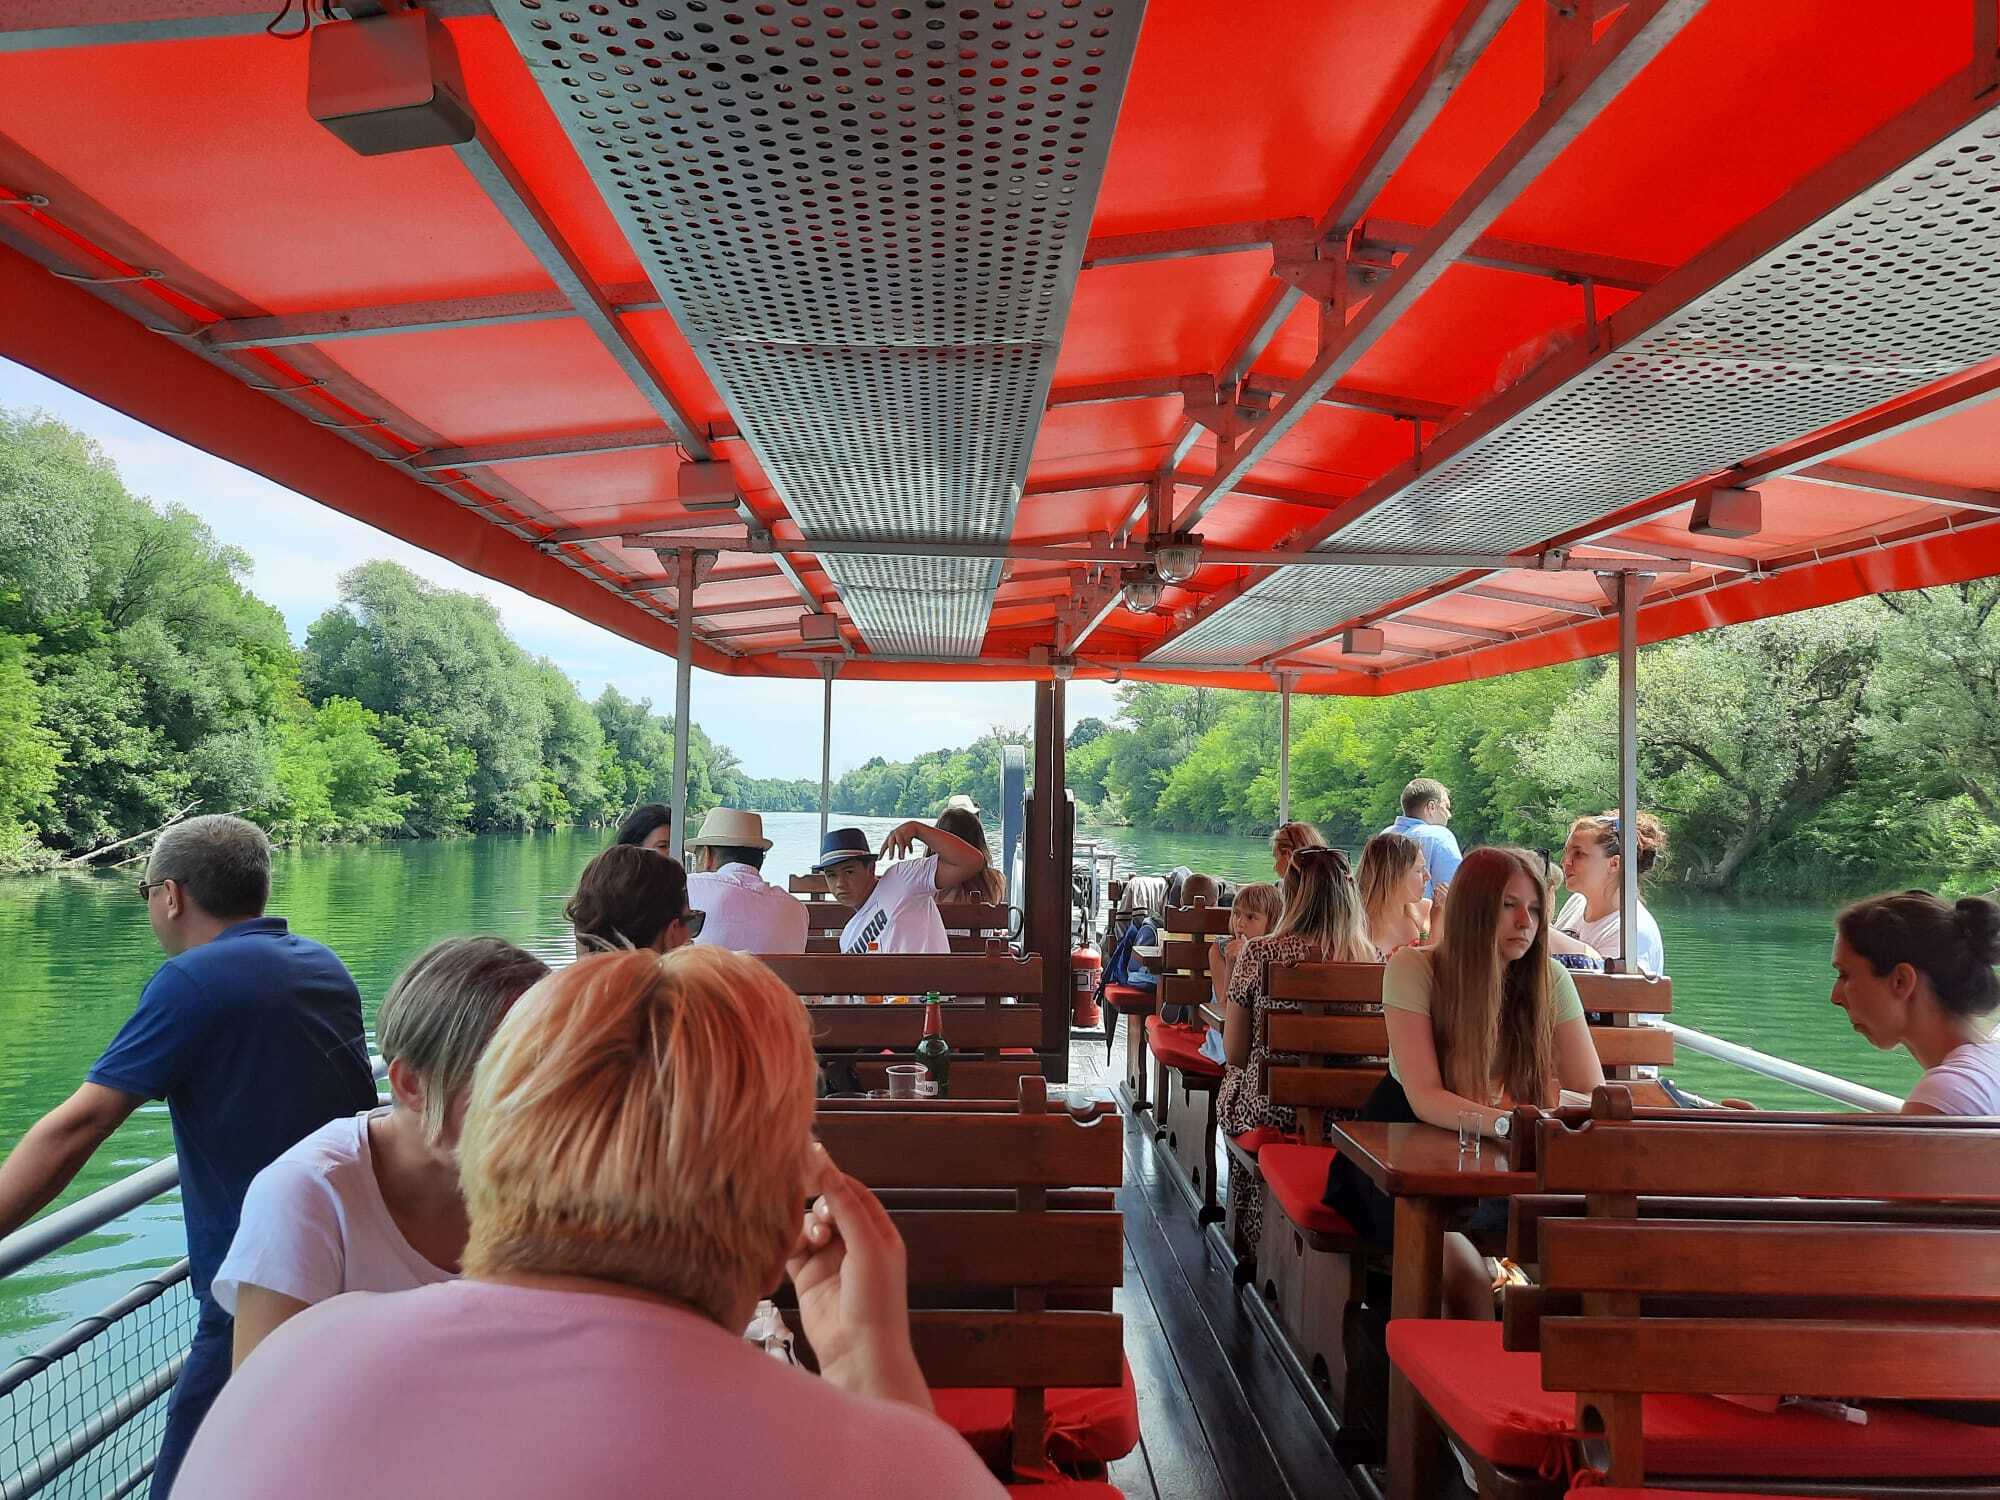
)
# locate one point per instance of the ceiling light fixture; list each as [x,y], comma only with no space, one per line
[1142,591]
[1178,560]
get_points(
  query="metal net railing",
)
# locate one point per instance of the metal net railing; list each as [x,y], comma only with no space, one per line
[82,1417]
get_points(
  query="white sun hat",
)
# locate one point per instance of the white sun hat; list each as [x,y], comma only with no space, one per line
[730,829]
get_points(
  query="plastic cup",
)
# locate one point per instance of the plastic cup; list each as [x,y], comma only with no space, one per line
[1468,1132]
[904,1078]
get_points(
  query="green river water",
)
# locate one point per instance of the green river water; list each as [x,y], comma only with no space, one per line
[75,951]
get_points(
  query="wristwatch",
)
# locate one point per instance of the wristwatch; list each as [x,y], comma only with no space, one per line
[1503,1127]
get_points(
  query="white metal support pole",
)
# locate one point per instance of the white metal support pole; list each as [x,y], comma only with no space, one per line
[1631,588]
[825,746]
[683,673]
[1285,681]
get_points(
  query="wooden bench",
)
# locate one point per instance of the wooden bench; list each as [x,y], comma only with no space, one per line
[1326,1055]
[991,1036]
[1853,1256]
[1014,1250]
[1185,1081]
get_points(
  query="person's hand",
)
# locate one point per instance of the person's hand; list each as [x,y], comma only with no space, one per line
[901,840]
[852,1279]
[1737,1104]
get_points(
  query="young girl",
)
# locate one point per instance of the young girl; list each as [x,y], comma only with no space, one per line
[1254,914]
[1321,923]
[1591,870]
[1481,1022]
[1916,973]
[1392,879]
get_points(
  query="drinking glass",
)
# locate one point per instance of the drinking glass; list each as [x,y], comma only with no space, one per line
[1468,1132]
[903,1079]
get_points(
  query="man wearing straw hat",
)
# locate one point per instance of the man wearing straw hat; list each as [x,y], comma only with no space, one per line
[745,911]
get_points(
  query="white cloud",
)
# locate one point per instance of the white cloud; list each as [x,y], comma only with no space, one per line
[300,548]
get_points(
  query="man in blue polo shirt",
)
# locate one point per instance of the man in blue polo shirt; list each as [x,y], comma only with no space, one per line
[1426,809]
[254,1038]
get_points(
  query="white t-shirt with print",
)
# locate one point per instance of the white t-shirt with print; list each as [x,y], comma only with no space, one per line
[315,1225]
[1606,934]
[1967,1082]
[900,914]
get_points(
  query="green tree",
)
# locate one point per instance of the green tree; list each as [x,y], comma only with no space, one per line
[30,755]
[1744,735]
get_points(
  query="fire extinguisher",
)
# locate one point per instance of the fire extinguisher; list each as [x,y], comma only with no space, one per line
[1085,966]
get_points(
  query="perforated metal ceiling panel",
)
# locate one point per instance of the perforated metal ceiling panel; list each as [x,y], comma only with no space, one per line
[867,218]
[1882,296]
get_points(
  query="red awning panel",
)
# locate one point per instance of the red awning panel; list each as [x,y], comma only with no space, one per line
[466,349]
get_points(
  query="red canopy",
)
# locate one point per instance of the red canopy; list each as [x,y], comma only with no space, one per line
[1482,297]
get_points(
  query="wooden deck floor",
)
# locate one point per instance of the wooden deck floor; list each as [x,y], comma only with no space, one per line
[1218,1414]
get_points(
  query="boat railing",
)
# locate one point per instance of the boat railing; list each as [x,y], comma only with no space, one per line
[1784,1070]
[83,1414]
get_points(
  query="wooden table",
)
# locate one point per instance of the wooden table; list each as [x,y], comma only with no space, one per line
[1419,1166]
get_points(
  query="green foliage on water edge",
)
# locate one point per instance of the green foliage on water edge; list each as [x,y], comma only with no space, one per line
[139,675]
[1836,751]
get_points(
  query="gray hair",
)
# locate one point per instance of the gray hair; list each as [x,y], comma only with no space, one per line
[223,863]
[444,1008]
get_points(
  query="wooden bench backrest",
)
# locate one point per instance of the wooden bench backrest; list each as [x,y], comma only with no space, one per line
[1030,1250]
[1624,994]
[982,1025]
[1890,1301]
[1321,1060]
[813,885]
[974,916]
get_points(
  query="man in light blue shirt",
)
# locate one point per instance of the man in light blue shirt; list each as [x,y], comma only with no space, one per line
[1426,810]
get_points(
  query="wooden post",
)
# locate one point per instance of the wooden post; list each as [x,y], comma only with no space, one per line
[1051,833]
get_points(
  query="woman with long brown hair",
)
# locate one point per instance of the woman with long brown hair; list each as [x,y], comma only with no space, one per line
[1481,1022]
[1321,923]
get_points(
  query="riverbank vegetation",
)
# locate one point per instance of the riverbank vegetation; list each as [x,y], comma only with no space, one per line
[139,675]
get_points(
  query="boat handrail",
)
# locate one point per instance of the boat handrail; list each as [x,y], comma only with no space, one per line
[71,1223]
[1798,1075]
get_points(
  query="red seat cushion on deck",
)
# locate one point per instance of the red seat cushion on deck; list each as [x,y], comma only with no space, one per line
[1180,1047]
[1086,1425]
[1253,1141]
[1296,1176]
[1620,1492]
[1129,999]
[1492,1400]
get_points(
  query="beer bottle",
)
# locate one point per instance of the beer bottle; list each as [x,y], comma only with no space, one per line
[934,1052]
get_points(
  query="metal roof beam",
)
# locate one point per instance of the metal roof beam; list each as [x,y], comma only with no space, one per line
[1446,627]
[1381,238]
[1847,477]
[1180,244]
[608,531]
[489,455]
[747,574]
[1534,601]
[280,330]
[1635,38]
[42,25]
[1357,398]
[1728,562]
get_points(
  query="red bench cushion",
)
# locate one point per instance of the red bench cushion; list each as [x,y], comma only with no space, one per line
[1180,1047]
[1129,999]
[1296,1177]
[1253,1141]
[1620,1492]
[1068,1489]
[1087,1425]
[1492,1400]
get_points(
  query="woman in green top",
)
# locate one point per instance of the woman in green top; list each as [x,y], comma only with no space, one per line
[1483,1021]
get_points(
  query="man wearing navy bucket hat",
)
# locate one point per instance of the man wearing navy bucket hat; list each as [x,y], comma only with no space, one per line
[896,910]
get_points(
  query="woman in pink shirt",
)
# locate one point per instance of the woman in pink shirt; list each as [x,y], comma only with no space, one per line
[638,1141]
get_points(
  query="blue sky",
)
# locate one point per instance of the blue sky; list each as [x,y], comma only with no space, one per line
[300,548]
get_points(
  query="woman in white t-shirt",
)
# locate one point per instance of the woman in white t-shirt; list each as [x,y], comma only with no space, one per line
[371,1203]
[1916,973]
[1591,869]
